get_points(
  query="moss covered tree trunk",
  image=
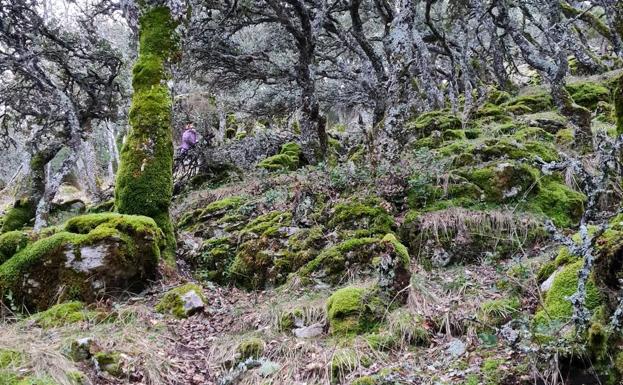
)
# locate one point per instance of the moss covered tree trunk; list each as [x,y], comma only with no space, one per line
[145,177]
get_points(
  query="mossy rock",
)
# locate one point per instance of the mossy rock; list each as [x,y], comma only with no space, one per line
[557,202]
[456,235]
[289,158]
[589,94]
[217,255]
[182,301]
[608,265]
[355,310]
[618,104]
[10,243]
[252,347]
[511,148]
[530,103]
[438,120]
[65,314]
[20,215]
[212,211]
[109,362]
[95,255]
[386,259]
[490,110]
[361,217]
[557,309]
[503,181]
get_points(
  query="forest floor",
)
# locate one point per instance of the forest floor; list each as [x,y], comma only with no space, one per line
[478,194]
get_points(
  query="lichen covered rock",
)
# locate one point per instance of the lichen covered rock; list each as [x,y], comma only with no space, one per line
[93,256]
[182,301]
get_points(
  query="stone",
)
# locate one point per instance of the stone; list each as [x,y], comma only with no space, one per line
[456,348]
[192,303]
[310,331]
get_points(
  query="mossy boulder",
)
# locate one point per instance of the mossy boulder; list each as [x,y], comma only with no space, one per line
[438,120]
[511,148]
[182,301]
[503,181]
[386,259]
[10,243]
[461,235]
[93,256]
[355,310]
[361,217]
[530,103]
[289,158]
[557,202]
[588,94]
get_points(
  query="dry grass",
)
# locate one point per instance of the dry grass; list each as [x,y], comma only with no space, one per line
[133,333]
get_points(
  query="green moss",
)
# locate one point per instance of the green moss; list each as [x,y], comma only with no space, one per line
[588,94]
[20,215]
[531,103]
[172,303]
[546,271]
[10,243]
[510,148]
[556,308]
[490,110]
[499,311]
[558,202]
[216,256]
[492,371]
[109,362]
[354,310]
[565,137]
[365,380]
[533,133]
[503,181]
[252,347]
[362,214]
[440,120]
[287,320]
[144,184]
[269,223]
[333,260]
[289,158]
[65,314]
[401,250]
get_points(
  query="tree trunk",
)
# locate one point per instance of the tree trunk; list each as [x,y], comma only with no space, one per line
[145,178]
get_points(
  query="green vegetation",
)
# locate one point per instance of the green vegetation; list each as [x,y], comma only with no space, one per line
[289,158]
[65,314]
[20,215]
[251,347]
[588,94]
[10,243]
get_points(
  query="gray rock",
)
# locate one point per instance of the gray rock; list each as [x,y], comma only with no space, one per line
[310,331]
[192,303]
[456,348]
[547,284]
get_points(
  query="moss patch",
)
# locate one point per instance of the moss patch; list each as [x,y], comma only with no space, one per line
[557,309]
[20,215]
[65,314]
[251,347]
[588,94]
[289,158]
[10,243]
[354,310]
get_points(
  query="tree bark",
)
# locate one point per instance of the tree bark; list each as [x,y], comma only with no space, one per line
[145,178]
